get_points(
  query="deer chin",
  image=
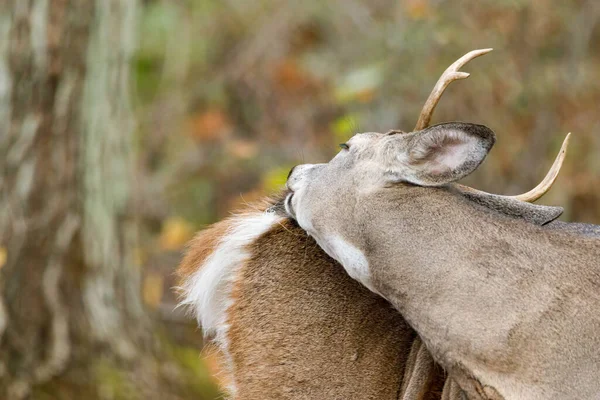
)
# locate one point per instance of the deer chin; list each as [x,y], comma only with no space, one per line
[299,214]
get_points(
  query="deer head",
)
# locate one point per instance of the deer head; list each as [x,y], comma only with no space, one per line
[323,196]
[471,272]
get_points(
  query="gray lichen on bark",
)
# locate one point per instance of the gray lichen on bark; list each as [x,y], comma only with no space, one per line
[107,124]
[66,124]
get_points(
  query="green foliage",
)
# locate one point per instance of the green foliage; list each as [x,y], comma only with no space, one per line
[344,127]
[200,378]
[113,383]
[294,80]
[193,199]
[274,180]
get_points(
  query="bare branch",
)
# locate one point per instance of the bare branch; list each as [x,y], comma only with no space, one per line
[450,75]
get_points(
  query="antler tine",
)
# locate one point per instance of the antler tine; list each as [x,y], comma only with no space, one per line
[543,186]
[450,75]
[548,181]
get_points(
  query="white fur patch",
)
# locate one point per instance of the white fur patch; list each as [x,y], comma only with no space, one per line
[208,290]
[352,259]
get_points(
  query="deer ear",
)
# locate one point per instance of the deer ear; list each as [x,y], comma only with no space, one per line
[445,153]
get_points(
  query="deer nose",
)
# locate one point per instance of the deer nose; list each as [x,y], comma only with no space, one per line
[291,172]
[297,175]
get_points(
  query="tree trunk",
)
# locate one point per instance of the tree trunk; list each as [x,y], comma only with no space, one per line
[68,286]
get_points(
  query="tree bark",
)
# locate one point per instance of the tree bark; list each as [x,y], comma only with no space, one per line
[68,285]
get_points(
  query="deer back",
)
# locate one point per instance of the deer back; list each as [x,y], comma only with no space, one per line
[292,324]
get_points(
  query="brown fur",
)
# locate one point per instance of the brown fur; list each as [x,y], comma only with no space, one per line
[205,241]
[300,328]
[200,247]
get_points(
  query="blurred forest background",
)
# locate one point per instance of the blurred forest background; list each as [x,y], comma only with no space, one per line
[177,111]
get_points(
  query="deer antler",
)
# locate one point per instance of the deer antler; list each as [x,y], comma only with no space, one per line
[450,75]
[543,186]
[548,181]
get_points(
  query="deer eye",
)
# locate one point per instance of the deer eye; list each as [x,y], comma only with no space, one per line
[344,146]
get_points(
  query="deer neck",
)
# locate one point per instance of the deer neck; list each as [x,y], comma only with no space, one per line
[480,288]
[443,236]
[321,334]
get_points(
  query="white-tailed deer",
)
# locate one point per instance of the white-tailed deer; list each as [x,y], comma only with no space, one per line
[509,308]
[294,326]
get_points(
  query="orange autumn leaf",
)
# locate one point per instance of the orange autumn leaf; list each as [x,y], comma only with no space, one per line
[210,125]
[417,9]
[175,233]
[290,76]
[243,149]
[153,289]
[3,256]
[365,95]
